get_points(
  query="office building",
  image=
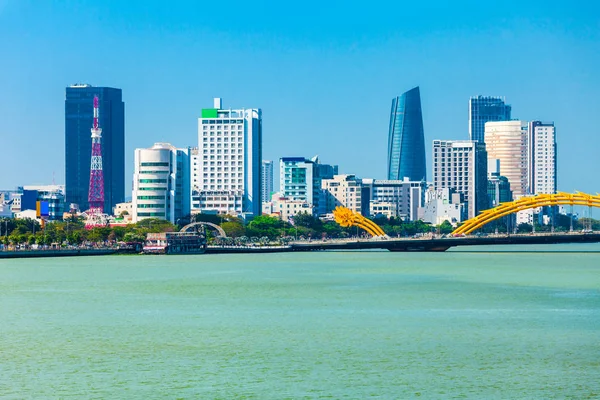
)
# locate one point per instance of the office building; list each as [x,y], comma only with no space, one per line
[406,141]
[267,180]
[484,109]
[342,190]
[542,158]
[462,166]
[300,179]
[397,198]
[78,143]
[161,183]
[507,141]
[228,174]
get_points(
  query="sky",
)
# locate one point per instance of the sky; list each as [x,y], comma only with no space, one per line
[323,73]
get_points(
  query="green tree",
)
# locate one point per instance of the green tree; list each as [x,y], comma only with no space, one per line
[445,227]
[233,229]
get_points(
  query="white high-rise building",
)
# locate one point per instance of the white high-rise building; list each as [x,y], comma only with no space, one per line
[462,165]
[228,174]
[161,186]
[542,158]
[507,141]
[267,180]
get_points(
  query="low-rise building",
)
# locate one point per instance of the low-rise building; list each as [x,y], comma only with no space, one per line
[404,196]
[443,205]
[286,208]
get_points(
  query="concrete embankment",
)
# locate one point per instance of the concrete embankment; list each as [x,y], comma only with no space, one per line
[63,253]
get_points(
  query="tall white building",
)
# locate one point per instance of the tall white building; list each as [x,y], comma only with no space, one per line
[507,141]
[462,165]
[161,180]
[228,170]
[542,158]
[267,180]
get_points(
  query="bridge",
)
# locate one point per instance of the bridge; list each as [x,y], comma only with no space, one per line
[442,244]
[461,236]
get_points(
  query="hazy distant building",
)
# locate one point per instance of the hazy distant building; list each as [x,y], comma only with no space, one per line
[507,141]
[406,141]
[484,109]
[462,166]
[267,180]
[78,143]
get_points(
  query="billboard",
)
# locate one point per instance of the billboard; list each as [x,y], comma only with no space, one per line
[42,209]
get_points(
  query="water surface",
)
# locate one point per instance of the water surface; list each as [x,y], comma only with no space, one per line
[304,325]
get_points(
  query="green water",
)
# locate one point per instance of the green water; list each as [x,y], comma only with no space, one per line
[353,325]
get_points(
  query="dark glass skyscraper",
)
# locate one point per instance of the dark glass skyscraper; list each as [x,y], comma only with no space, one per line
[406,142]
[484,109]
[78,143]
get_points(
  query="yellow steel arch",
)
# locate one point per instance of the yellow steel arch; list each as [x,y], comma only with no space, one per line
[346,217]
[524,203]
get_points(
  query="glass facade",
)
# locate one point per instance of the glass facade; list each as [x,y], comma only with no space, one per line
[484,109]
[406,142]
[78,144]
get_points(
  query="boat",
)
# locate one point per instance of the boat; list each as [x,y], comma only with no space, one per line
[175,243]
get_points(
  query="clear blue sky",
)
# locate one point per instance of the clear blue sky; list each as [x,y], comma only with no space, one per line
[324,73]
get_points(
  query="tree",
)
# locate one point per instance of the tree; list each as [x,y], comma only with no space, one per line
[524,228]
[233,229]
[445,228]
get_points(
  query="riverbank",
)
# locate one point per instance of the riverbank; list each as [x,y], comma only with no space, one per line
[63,253]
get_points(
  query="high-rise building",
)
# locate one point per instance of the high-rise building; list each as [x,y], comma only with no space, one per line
[462,165]
[267,180]
[406,141]
[228,177]
[79,104]
[300,180]
[161,183]
[542,157]
[507,141]
[484,109]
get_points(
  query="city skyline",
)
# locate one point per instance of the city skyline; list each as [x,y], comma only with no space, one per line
[359,72]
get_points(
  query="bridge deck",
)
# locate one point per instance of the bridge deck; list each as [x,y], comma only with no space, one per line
[443,244]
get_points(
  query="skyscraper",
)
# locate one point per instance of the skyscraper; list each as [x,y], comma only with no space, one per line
[79,103]
[229,158]
[462,165]
[406,142]
[542,157]
[267,180]
[507,141]
[484,109]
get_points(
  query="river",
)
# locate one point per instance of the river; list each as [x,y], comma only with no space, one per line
[374,324]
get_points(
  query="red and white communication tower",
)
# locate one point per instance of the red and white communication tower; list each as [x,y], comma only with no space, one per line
[96,193]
